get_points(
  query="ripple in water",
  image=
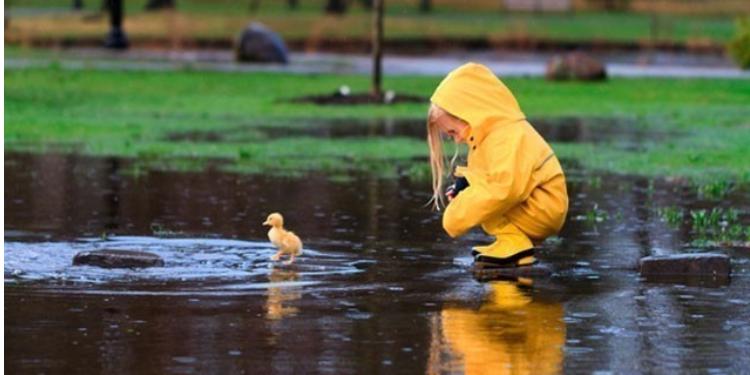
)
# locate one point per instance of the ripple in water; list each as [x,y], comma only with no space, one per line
[190,265]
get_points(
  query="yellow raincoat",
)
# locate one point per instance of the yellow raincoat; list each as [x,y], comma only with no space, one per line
[516,187]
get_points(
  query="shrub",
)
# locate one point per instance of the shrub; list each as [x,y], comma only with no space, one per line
[739,46]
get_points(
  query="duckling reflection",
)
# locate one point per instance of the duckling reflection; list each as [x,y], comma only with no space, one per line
[279,296]
[509,333]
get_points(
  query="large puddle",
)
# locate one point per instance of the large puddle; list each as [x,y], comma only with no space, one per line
[621,132]
[379,289]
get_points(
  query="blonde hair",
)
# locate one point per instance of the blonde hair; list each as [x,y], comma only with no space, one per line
[437,158]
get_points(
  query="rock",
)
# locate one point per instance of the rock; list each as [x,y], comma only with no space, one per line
[258,43]
[484,271]
[575,66]
[118,259]
[704,264]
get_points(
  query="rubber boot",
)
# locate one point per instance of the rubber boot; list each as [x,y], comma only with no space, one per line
[512,248]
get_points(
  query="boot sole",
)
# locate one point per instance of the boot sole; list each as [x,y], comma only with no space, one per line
[509,262]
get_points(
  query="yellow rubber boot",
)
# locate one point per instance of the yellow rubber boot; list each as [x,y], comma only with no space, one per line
[512,248]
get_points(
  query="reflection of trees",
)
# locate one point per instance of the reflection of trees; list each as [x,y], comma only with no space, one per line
[72,195]
[509,333]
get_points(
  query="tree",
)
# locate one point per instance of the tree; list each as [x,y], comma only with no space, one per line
[377,47]
[336,6]
[159,4]
[116,38]
[425,6]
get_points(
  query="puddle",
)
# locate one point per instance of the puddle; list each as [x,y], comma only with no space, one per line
[193,266]
[625,133]
[380,287]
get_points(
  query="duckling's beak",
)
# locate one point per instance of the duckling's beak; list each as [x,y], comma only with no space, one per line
[267,223]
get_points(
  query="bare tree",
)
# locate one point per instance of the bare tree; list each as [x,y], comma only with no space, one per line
[116,38]
[425,6]
[335,6]
[377,47]
[159,4]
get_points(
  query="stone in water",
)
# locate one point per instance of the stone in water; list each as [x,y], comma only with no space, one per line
[118,259]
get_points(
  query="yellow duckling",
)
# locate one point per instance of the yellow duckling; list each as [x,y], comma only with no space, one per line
[287,242]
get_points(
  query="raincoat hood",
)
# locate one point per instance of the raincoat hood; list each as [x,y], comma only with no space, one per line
[474,94]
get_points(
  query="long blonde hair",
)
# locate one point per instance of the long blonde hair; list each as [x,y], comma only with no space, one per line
[437,158]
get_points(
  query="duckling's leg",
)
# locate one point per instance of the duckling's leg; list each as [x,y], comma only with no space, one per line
[276,256]
[291,260]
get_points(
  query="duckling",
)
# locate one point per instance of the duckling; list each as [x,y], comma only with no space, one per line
[286,241]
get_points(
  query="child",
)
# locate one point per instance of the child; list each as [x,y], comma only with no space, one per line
[516,187]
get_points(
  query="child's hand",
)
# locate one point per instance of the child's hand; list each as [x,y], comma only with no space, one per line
[453,190]
[450,193]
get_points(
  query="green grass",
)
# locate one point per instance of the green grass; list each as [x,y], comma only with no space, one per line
[224,19]
[131,114]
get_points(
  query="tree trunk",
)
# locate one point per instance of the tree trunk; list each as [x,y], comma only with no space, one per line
[77,4]
[336,6]
[425,6]
[116,38]
[293,4]
[377,48]
[159,4]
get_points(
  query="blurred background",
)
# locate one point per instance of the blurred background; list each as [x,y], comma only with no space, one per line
[412,27]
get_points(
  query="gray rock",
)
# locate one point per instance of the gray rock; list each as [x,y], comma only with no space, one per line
[704,264]
[258,43]
[484,271]
[117,259]
[575,66]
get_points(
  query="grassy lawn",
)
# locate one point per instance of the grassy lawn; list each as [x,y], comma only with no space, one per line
[222,20]
[133,114]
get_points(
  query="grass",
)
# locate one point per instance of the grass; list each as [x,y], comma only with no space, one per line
[132,114]
[222,20]
[718,227]
[671,215]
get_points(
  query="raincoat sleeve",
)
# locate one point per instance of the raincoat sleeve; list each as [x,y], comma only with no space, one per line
[493,191]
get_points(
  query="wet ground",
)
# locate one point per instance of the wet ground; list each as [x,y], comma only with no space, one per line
[622,132]
[379,289]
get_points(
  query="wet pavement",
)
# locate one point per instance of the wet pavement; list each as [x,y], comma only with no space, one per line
[379,288]
[645,63]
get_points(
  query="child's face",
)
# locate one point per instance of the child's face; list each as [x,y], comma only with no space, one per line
[453,127]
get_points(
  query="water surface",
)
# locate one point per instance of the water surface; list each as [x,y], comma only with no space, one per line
[379,288]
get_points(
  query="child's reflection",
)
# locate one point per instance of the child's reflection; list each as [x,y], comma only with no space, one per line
[509,333]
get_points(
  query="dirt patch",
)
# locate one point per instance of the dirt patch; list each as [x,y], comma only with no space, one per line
[195,136]
[344,98]
[621,132]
